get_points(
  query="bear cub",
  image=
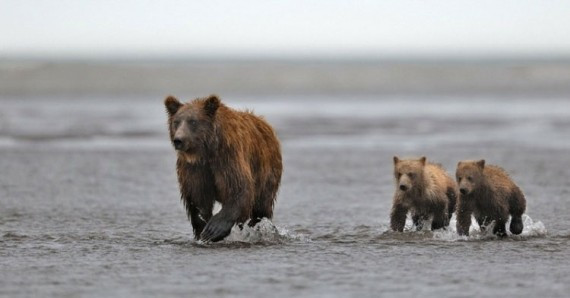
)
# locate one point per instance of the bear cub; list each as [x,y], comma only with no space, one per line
[487,192]
[424,189]
[224,155]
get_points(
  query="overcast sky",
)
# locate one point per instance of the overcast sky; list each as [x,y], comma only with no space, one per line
[325,28]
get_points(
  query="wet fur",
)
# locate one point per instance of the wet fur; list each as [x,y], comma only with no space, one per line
[433,195]
[494,198]
[237,163]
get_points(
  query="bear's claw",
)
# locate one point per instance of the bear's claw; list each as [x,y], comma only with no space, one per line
[216,230]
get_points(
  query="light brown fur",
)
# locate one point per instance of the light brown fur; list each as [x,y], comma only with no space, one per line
[424,189]
[489,194]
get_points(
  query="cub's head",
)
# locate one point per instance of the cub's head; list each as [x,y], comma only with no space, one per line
[469,175]
[408,173]
[191,125]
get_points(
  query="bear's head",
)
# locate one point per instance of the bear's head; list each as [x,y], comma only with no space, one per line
[408,173]
[191,125]
[469,175]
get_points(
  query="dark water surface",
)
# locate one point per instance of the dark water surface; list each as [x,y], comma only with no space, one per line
[89,202]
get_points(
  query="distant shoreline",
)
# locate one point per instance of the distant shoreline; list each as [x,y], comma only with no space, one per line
[317,59]
[547,77]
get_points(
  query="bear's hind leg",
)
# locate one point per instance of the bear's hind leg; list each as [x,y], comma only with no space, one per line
[198,219]
[516,226]
[500,228]
[517,206]
[259,212]
[263,206]
[440,220]
[452,197]
[398,217]
[198,223]
[482,222]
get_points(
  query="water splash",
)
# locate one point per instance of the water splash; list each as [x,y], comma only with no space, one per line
[530,229]
[264,232]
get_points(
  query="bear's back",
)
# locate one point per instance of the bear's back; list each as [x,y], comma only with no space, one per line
[247,135]
[498,179]
[244,127]
[439,176]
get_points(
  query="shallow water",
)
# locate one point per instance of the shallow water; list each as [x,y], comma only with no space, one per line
[89,204]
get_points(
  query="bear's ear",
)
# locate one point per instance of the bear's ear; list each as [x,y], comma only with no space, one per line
[423,160]
[211,105]
[172,105]
[396,160]
[481,163]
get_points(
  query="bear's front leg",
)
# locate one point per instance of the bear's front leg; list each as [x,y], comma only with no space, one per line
[440,219]
[236,195]
[217,228]
[418,221]
[220,225]
[398,217]
[464,211]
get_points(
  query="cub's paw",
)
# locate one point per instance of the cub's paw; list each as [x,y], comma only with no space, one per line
[216,229]
[516,226]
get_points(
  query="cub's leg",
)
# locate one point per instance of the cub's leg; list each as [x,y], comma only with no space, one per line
[418,221]
[517,206]
[452,197]
[398,217]
[516,226]
[464,211]
[440,219]
[500,228]
[483,222]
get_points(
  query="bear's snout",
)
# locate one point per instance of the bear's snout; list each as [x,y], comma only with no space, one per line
[403,187]
[177,143]
[463,191]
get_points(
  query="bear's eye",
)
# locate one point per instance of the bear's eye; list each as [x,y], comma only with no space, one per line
[470,178]
[176,122]
[411,175]
[399,175]
[193,122]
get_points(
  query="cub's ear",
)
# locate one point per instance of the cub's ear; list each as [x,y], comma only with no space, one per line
[459,163]
[396,160]
[172,105]
[211,105]
[481,163]
[423,160]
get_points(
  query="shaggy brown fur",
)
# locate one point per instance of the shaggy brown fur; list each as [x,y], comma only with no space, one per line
[426,190]
[224,155]
[487,192]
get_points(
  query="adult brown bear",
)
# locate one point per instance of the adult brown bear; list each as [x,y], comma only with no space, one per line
[232,157]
